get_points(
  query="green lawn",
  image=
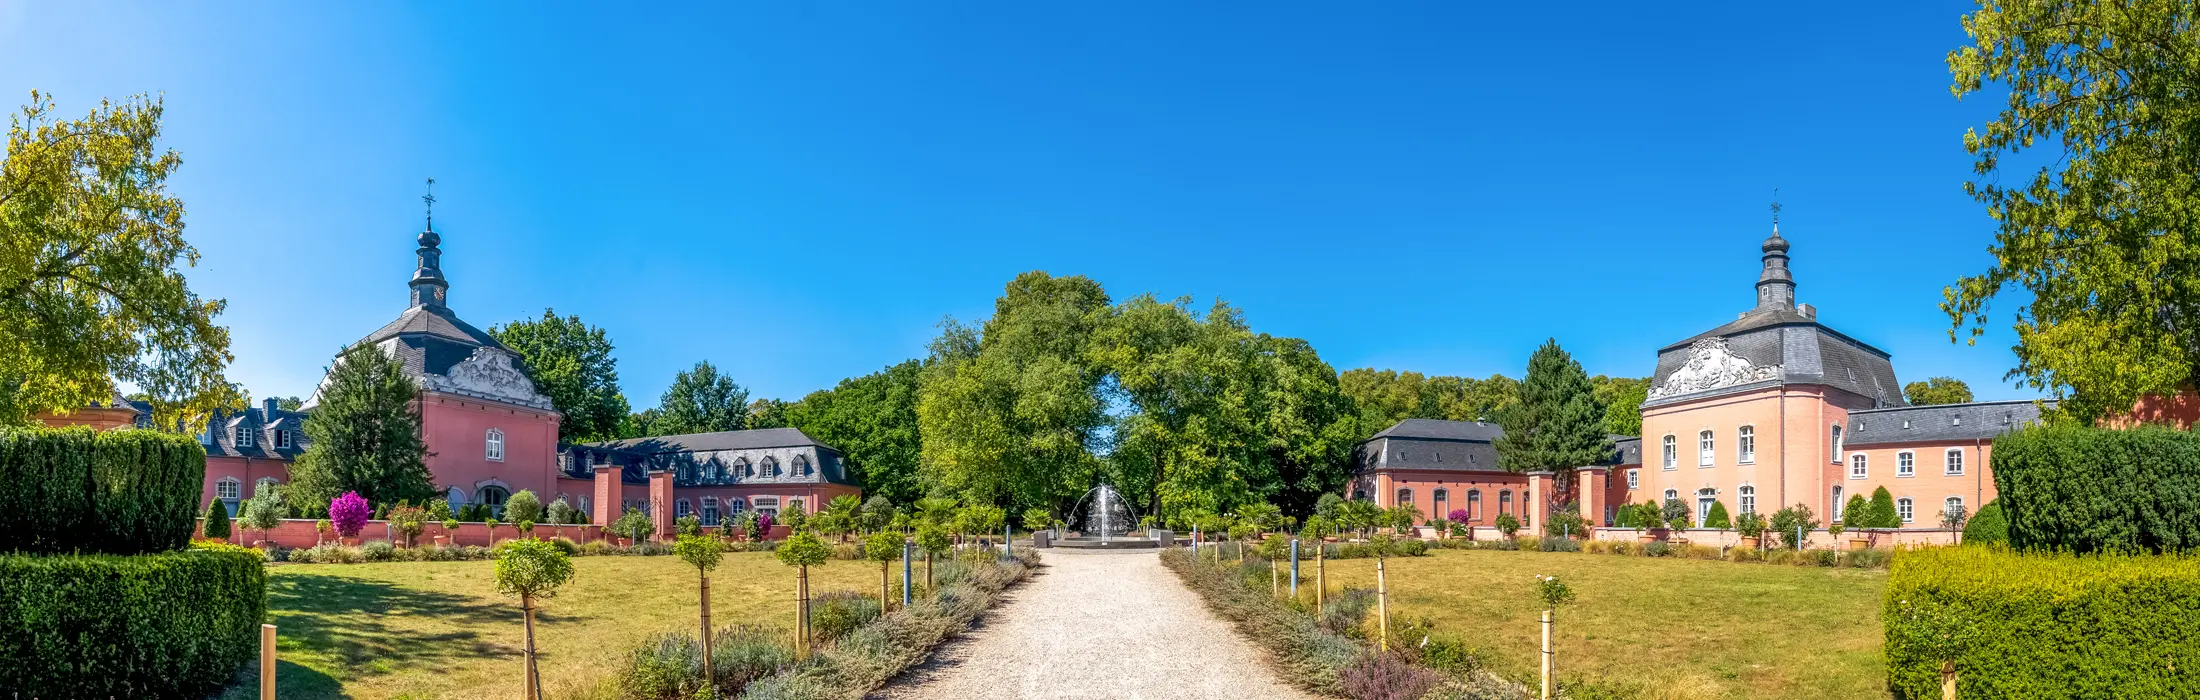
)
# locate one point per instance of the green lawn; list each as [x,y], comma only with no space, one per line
[440,630]
[1665,628]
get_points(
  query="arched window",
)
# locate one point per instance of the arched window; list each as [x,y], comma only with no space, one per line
[228,488]
[1705,497]
[1634,479]
[1705,448]
[1474,505]
[1504,502]
[710,511]
[1859,466]
[1405,497]
[1440,499]
[1670,495]
[1748,495]
[735,506]
[1745,446]
[1838,455]
[454,498]
[265,483]
[1903,507]
[771,468]
[1953,507]
[801,465]
[494,445]
[681,508]
[1672,452]
[493,497]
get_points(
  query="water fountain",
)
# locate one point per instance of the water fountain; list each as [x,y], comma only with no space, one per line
[1105,520]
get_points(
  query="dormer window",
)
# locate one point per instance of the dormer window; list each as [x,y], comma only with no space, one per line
[493,445]
[243,436]
[282,439]
[1958,420]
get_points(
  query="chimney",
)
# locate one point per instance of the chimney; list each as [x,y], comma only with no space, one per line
[270,412]
[1807,310]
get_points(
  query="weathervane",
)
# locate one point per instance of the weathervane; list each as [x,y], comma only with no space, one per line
[1775,208]
[429,198]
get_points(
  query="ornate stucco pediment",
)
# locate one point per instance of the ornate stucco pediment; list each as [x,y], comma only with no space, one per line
[1710,366]
[490,374]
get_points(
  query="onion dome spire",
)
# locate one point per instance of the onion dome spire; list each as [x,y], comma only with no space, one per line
[1775,286]
[428,285]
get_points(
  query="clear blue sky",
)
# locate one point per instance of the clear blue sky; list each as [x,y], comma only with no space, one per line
[799,192]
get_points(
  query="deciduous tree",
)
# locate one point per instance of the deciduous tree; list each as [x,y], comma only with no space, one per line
[571,361]
[1937,391]
[872,420]
[701,400]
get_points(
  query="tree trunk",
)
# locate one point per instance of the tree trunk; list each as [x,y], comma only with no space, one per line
[710,679]
[1321,580]
[928,571]
[1382,604]
[802,613]
[1948,680]
[885,588]
[527,608]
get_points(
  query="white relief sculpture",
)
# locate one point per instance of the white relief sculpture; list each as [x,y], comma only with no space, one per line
[489,373]
[1710,366]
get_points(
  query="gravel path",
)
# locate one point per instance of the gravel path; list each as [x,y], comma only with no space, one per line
[1097,625]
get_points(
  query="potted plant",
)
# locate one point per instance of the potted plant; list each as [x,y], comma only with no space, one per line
[450,533]
[492,523]
[321,529]
[1508,525]
[1752,528]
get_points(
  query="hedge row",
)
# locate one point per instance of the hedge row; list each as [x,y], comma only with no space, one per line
[116,492]
[177,624]
[2084,489]
[2030,626]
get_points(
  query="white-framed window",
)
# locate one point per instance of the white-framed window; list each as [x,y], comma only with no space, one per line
[1906,508]
[1706,448]
[265,483]
[1838,455]
[493,497]
[682,508]
[1705,498]
[801,465]
[1672,452]
[1953,504]
[282,439]
[768,505]
[228,488]
[771,469]
[1859,467]
[1670,495]
[1634,479]
[710,511]
[736,506]
[1836,504]
[493,445]
[1439,500]
[1905,464]
[1504,502]
[1749,499]
[744,468]
[243,436]
[1955,461]
[1746,444]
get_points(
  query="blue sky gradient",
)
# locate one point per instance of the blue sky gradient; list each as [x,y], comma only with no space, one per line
[800,192]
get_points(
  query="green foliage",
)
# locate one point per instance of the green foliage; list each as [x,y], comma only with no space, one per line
[634,525]
[1750,525]
[872,420]
[2088,489]
[2101,235]
[765,413]
[1622,398]
[687,525]
[980,520]
[877,514]
[176,624]
[882,546]
[559,513]
[701,400]
[90,290]
[1552,592]
[531,568]
[440,510]
[1718,518]
[117,492]
[1937,391]
[1508,524]
[1883,513]
[365,435]
[1988,526]
[1675,513]
[1858,512]
[803,549]
[263,511]
[1381,398]
[933,538]
[2042,625]
[523,507]
[1785,522]
[571,363]
[700,551]
[669,666]
[1559,423]
[217,520]
[1037,519]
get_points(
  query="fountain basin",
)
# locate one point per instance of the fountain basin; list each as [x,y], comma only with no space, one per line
[1111,543]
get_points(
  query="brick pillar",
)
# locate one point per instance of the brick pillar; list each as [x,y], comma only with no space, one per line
[660,504]
[1592,480]
[1535,511]
[606,507]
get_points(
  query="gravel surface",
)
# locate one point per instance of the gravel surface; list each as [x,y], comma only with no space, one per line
[1097,625]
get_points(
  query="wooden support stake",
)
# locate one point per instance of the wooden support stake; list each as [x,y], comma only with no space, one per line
[1321,580]
[1546,655]
[1382,603]
[710,679]
[1948,680]
[527,606]
[267,662]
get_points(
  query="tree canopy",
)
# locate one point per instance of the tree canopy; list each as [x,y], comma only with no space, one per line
[90,241]
[872,420]
[1937,391]
[1559,423]
[572,362]
[701,400]
[364,435]
[2102,237]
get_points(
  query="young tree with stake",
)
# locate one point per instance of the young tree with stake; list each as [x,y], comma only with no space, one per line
[702,552]
[1552,593]
[803,550]
[531,569]
[934,540]
[883,547]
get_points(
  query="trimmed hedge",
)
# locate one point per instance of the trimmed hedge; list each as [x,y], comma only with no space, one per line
[2037,625]
[116,492]
[2085,489]
[178,624]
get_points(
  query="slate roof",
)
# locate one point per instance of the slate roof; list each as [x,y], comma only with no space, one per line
[1808,352]
[687,455]
[1442,430]
[430,339]
[1983,420]
[711,442]
[1449,445]
[263,421]
[1626,449]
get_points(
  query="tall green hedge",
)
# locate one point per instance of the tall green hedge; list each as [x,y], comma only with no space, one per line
[2033,626]
[177,624]
[114,492]
[2085,489]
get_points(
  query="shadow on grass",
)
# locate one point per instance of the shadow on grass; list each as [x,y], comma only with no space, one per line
[291,681]
[370,627]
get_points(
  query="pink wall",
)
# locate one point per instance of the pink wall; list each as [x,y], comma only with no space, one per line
[1424,483]
[455,429]
[296,533]
[1930,485]
[1793,460]
[246,470]
[1815,539]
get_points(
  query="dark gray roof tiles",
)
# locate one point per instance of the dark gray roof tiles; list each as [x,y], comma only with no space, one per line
[1808,352]
[1943,423]
[709,442]
[1424,443]
[263,440]
[1443,430]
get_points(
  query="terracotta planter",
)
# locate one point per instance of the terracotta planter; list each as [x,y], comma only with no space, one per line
[1859,543]
[350,541]
[1750,542]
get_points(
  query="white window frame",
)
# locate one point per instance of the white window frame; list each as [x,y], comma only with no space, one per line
[1474,505]
[492,445]
[802,465]
[682,508]
[1634,479]
[260,485]
[1837,505]
[230,484]
[1746,444]
[282,439]
[1839,455]
[1860,466]
[1748,496]
[1704,502]
[243,436]
[1672,452]
[1905,464]
[1951,504]
[1953,464]
[1670,495]
[1707,448]
[1906,508]
[761,506]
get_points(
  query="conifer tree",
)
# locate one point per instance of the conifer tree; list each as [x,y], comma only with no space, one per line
[217,521]
[1883,513]
[365,435]
[1559,423]
[1858,512]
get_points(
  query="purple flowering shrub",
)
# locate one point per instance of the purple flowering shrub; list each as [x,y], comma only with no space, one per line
[349,513]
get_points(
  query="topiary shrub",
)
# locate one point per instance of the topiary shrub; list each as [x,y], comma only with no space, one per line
[1718,519]
[1858,512]
[1882,512]
[2038,625]
[523,507]
[2086,489]
[176,624]
[349,513]
[1508,524]
[115,492]
[1988,526]
[217,521]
